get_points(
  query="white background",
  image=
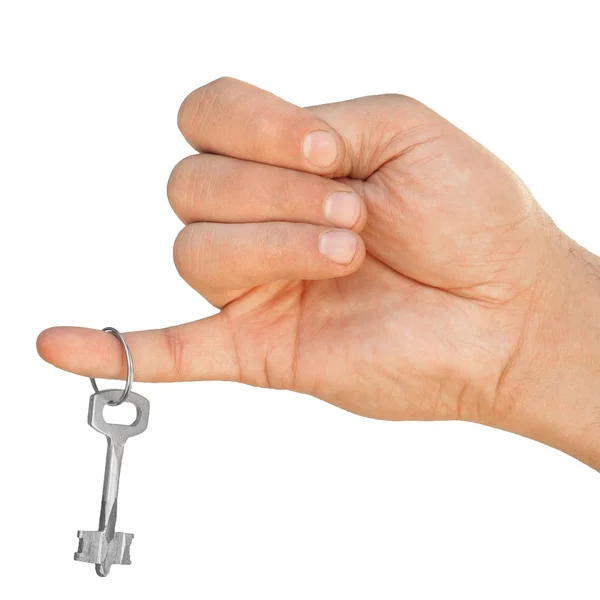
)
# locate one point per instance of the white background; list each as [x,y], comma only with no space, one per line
[236,492]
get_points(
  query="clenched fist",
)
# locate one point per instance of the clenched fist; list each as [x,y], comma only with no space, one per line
[371,254]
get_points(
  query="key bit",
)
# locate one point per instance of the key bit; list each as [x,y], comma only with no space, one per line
[107,547]
[96,547]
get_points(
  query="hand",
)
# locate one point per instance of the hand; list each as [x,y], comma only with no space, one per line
[371,254]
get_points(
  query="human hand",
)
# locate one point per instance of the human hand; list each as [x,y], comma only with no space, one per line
[433,287]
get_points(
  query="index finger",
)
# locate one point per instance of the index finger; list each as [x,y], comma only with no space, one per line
[234,118]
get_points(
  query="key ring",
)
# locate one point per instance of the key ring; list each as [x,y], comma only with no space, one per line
[129,380]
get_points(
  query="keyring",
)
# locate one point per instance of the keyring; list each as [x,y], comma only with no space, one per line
[129,380]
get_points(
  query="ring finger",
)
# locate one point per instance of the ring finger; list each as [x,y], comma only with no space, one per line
[215,257]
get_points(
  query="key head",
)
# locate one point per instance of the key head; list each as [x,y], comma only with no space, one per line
[118,433]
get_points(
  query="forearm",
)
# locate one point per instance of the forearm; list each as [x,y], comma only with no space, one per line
[554,389]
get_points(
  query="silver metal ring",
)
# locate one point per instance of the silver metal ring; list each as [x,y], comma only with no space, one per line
[129,380]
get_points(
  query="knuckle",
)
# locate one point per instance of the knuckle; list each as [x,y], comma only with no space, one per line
[400,99]
[277,246]
[190,112]
[193,251]
[265,127]
[283,199]
[183,115]
[179,183]
[182,249]
[225,81]
[175,351]
[410,107]
[192,184]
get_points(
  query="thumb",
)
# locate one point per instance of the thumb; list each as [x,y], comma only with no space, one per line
[193,351]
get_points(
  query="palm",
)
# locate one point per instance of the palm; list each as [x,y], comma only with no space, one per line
[414,347]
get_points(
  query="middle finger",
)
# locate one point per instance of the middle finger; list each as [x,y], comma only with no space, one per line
[214,188]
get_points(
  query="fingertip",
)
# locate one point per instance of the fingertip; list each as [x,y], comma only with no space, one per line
[362,219]
[320,148]
[345,209]
[54,339]
[359,255]
[342,247]
[323,150]
[43,343]
[75,349]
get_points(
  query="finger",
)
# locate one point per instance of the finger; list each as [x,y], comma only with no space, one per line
[193,351]
[351,138]
[234,118]
[236,256]
[208,187]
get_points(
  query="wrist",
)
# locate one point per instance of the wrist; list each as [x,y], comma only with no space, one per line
[552,389]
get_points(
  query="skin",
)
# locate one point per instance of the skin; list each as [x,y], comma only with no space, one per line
[463,300]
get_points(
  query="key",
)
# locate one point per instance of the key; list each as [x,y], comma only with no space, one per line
[107,547]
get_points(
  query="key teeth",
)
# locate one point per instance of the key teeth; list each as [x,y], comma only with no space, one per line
[126,559]
[95,548]
[88,540]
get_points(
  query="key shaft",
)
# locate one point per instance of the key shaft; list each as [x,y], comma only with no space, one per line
[110,489]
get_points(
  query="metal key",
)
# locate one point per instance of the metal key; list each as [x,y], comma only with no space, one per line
[108,547]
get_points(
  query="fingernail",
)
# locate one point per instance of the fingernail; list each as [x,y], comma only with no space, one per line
[320,148]
[342,209]
[338,246]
